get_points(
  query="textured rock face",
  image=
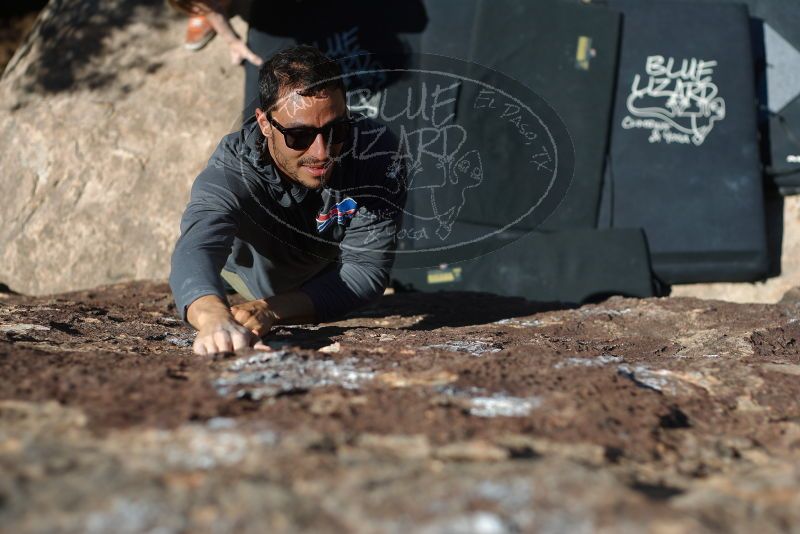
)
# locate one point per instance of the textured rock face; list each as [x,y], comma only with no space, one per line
[105,122]
[439,414]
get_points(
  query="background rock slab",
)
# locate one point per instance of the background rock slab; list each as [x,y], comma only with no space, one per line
[105,120]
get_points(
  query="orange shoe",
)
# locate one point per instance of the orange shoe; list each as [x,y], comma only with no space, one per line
[198,33]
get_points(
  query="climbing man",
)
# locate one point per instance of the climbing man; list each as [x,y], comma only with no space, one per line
[297,211]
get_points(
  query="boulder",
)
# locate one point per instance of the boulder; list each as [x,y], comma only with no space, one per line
[105,120]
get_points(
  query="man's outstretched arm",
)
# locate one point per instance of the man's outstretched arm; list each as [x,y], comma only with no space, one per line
[208,227]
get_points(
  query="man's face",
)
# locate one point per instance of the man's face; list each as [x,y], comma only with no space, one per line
[312,166]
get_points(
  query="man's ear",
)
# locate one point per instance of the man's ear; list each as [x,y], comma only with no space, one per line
[263,123]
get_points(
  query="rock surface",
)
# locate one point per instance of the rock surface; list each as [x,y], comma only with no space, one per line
[658,415]
[105,120]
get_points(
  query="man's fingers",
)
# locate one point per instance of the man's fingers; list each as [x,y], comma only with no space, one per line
[221,342]
[240,340]
[222,339]
[241,316]
[199,347]
[204,345]
[255,59]
[255,326]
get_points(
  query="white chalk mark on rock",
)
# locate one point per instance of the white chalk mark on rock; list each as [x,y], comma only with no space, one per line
[270,374]
[21,328]
[599,361]
[519,323]
[179,341]
[474,348]
[503,406]
[332,348]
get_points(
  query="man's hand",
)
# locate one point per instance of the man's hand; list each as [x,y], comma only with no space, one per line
[240,53]
[236,46]
[217,330]
[255,315]
[225,335]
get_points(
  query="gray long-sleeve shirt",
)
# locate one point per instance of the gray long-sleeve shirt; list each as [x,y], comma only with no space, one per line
[336,244]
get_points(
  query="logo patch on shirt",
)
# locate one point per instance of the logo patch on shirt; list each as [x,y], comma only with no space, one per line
[341,213]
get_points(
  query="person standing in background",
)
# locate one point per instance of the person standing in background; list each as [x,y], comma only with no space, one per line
[357,34]
[208,18]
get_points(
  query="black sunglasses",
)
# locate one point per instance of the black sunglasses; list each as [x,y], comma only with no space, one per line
[302,137]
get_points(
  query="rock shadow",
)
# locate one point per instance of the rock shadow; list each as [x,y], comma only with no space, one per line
[72,34]
[304,337]
[457,308]
[445,309]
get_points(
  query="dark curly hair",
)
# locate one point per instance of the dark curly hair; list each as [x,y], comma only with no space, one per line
[301,67]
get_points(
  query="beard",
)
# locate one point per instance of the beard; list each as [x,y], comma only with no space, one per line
[291,169]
